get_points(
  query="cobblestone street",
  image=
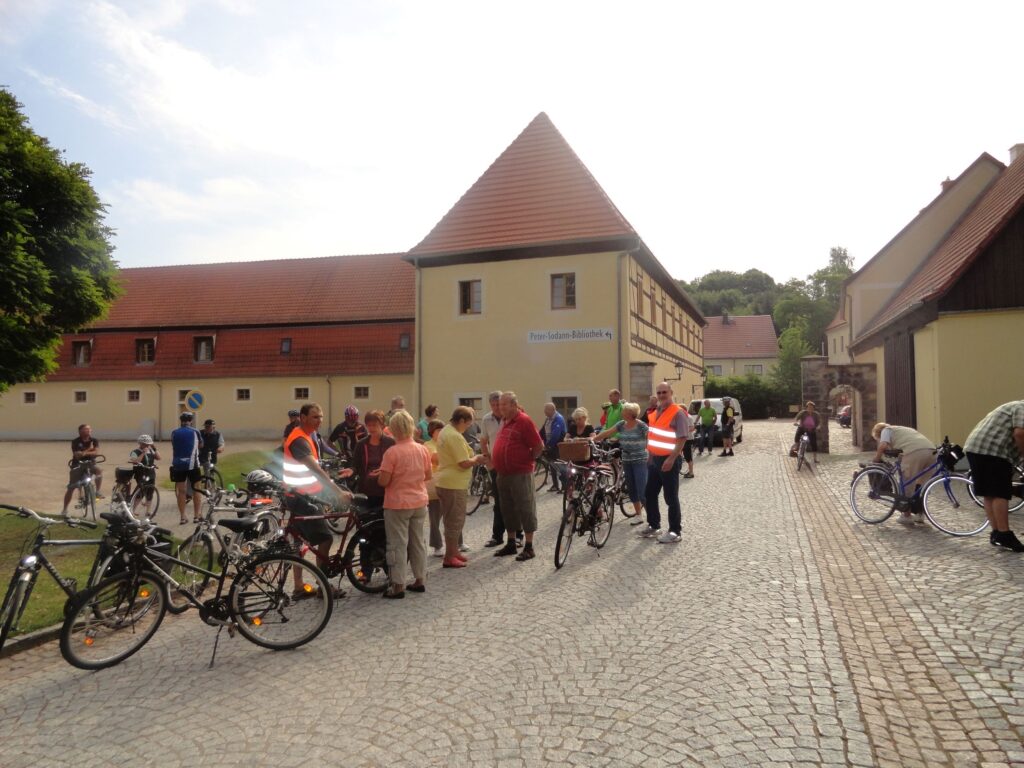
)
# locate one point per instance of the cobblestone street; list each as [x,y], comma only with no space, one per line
[781,631]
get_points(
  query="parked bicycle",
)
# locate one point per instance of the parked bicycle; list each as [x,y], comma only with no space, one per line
[588,508]
[543,471]
[114,619]
[143,498]
[85,486]
[480,489]
[945,497]
[1017,488]
[209,478]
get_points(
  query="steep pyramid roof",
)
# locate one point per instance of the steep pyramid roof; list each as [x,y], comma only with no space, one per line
[537,192]
[959,250]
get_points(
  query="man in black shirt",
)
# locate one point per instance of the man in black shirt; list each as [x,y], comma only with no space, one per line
[293,422]
[213,442]
[83,448]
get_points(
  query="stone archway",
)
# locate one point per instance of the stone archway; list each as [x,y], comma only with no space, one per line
[818,379]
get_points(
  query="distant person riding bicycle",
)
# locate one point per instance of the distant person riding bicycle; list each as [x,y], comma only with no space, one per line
[807,423]
[83,449]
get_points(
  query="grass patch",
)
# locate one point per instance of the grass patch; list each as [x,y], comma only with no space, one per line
[232,467]
[46,604]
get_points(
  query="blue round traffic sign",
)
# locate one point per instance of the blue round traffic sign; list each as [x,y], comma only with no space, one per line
[194,400]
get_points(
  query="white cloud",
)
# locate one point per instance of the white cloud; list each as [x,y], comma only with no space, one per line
[87,107]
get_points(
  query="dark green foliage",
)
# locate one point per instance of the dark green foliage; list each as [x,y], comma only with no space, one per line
[759,396]
[56,270]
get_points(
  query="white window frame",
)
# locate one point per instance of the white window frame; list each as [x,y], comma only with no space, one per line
[295,393]
[355,394]
[76,344]
[213,348]
[35,397]
[74,397]
[241,399]
[549,397]
[127,396]
[751,366]
[713,372]
[151,340]
[576,290]
[458,297]
[481,396]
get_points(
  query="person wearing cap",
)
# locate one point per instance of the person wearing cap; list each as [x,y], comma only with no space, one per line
[186,443]
[728,422]
[293,422]
[144,460]
[213,443]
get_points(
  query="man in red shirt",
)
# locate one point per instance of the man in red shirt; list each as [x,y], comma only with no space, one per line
[516,446]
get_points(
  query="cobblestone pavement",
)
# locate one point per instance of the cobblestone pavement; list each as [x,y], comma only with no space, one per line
[781,631]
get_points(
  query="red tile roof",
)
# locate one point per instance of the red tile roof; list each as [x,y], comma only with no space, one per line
[959,250]
[282,291]
[743,336]
[371,348]
[537,192]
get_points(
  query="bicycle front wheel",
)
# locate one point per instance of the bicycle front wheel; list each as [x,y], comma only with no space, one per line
[366,559]
[146,501]
[196,550]
[566,532]
[950,506]
[801,455]
[280,601]
[14,603]
[873,495]
[111,621]
[480,487]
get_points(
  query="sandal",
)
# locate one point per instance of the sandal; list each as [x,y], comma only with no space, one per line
[183,521]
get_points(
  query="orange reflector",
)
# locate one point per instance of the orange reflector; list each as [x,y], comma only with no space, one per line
[257,621]
[359,574]
[89,641]
[307,587]
[143,593]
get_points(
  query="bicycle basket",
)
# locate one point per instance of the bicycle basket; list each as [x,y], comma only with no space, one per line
[952,456]
[124,475]
[574,451]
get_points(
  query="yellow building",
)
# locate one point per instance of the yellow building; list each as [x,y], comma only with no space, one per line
[744,345]
[940,309]
[535,282]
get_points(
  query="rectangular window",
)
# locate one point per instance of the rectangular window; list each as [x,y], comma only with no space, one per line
[361,393]
[81,353]
[145,351]
[28,398]
[755,369]
[403,341]
[242,394]
[301,393]
[715,370]
[81,396]
[566,405]
[476,403]
[203,349]
[470,292]
[134,395]
[286,346]
[563,291]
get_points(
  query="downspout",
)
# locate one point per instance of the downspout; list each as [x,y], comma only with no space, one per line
[417,370]
[618,310]
[159,410]
[330,401]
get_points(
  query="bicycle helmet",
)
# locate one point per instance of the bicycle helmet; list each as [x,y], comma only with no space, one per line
[186,416]
[259,477]
[351,412]
[145,439]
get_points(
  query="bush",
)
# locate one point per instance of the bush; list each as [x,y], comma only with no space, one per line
[759,396]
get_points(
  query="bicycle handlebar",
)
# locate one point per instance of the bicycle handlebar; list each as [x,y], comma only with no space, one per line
[32,514]
[99,458]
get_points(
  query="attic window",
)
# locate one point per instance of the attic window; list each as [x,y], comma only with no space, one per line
[145,351]
[286,346]
[470,297]
[203,349]
[403,341]
[81,353]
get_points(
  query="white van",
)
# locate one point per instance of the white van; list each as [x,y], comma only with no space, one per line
[716,403]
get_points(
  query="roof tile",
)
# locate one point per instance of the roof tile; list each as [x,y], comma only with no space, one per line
[742,336]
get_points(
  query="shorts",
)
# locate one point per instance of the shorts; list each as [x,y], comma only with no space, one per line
[181,475]
[144,475]
[313,531]
[992,476]
[688,451]
[727,432]
[518,503]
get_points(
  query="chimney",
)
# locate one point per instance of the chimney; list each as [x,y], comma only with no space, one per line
[1016,152]
[725,318]
[947,184]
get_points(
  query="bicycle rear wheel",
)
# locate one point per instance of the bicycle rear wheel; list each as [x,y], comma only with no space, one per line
[113,620]
[873,495]
[540,475]
[146,501]
[14,603]
[366,559]
[1017,490]
[265,610]
[479,487]
[566,532]
[196,550]
[604,508]
[951,507]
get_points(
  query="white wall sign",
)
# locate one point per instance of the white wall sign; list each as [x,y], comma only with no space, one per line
[571,334]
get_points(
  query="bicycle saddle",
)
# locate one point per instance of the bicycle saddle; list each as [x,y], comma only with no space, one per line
[894,452]
[238,524]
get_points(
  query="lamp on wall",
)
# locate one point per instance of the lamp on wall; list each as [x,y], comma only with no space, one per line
[679,373]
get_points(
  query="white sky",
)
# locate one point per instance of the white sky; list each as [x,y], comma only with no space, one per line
[731,135]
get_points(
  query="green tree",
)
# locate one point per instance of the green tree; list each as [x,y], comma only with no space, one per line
[792,346]
[57,274]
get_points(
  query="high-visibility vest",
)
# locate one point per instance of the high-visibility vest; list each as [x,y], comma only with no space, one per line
[661,438]
[294,473]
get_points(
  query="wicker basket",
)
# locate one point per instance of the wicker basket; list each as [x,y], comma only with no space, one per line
[570,450]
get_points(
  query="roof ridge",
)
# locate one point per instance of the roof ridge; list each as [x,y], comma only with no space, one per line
[290,260]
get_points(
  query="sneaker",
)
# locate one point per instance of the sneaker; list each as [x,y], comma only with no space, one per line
[493,543]
[637,521]
[100,496]
[649,532]
[437,552]
[905,519]
[463,548]
[526,554]
[731,453]
[669,538]
[688,474]
[508,549]
[1007,540]
[723,453]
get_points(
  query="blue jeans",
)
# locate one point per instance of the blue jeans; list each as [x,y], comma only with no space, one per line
[659,482]
[706,437]
[636,479]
